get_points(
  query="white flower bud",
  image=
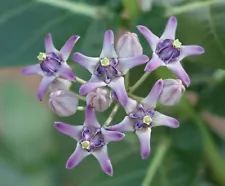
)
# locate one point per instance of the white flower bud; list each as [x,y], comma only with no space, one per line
[128,45]
[100,99]
[60,84]
[172,91]
[63,103]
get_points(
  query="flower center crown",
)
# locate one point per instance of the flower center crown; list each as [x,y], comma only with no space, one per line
[42,56]
[177,44]
[105,62]
[85,144]
[147,119]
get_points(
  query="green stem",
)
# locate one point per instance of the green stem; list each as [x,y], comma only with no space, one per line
[156,162]
[112,115]
[139,82]
[80,80]
[215,161]
[80,97]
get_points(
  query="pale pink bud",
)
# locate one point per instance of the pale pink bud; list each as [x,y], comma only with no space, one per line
[60,84]
[100,99]
[128,45]
[172,91]
[63,103]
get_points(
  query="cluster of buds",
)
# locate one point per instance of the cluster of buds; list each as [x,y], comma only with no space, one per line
[107,85]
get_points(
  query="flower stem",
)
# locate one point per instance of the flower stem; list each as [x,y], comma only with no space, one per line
[112,115]
[80,80]
[155,163]
[214,159]
[80,108]
[139,82]
[80,97]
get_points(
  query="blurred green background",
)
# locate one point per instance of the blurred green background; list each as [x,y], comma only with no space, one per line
[33,153]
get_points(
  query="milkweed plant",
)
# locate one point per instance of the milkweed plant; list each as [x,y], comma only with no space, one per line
[107,85]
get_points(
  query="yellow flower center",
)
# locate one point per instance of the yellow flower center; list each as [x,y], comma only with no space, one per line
[105,61]
[42,56]
[85,144]
[177,43]
[147,120]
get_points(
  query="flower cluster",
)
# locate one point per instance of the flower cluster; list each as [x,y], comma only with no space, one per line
[107,84]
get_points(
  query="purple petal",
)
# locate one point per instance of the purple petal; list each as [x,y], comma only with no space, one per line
[154,63]
[108,49]
[151,38]
[127,125]
[87,62]
[180,72]
[118,86]
[150,101]
[92,84]
[49,46]
[110,136]
[78,155]
[144,138]
[69,130]
[68,47]
[46,81]
[163,120]
[32,69]
[66,72]
[170,30]
[130,106]
[190,50]
[90,118]
[104,161]
[128,63]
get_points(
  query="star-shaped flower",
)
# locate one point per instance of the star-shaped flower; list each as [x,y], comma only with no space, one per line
[109,68]
[168,51]
[52,64]
[91,139]
[141,118]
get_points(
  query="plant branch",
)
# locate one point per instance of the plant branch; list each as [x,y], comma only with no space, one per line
[139,82]
[112,115]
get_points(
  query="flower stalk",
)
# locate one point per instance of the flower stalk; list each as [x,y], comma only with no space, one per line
[111,116]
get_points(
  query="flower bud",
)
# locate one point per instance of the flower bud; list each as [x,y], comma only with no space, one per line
[145,5]
[60,84]
[100,99]
[128,45]
[63,103]
[172,91]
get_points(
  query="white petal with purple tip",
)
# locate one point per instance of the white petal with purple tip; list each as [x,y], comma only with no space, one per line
[49,46]
[108,49]
[66,72]
[78,155]
[92,84]
[127,125]
[163,120]
[154,63]
[130,106]
[32,69]
[45,82]
[110,136]
[125,64]
[152,39]
[118,86]
[170,30]
[68,47]
[87,62]
[102,156]
[69,130]
[177,68]
[190,50]
[150,101]
[90,118]
[144,138]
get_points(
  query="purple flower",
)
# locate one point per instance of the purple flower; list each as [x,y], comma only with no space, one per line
[168,51]
[109,68]
[141,118]
[91,139]
[52,64]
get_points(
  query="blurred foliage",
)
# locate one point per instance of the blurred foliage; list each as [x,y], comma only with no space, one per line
[32,153]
